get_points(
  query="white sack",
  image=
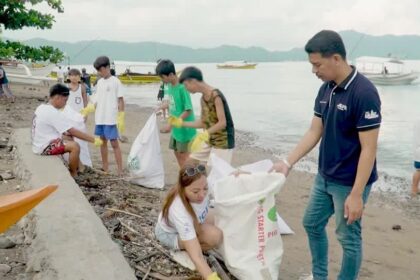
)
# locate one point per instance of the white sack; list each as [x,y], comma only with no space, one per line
[145,159]
[78,122]
[246,213]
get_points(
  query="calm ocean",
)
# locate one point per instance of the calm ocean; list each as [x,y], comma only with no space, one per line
[275,102]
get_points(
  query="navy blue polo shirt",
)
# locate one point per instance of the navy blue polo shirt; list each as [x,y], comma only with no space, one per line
[346,109]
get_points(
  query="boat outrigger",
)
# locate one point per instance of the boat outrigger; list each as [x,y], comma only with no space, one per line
[14,206]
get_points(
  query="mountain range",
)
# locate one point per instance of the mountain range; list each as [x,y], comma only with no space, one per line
[357,44]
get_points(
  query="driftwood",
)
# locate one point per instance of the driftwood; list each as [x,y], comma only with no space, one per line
[147,273]
[215,266]
[154,243]
[124,212]
[157,275]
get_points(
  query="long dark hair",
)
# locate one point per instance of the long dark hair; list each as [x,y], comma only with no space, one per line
[179,189]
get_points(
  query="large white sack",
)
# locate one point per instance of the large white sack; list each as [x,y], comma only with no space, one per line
[78,122]
[221,169]
[145,159]
[246,213]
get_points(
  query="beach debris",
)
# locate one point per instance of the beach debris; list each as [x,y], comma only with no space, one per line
[3,143]
[396,227]
[123,139]
[6,243]
[6,175]
[130,213]
[216,266]
[4,269]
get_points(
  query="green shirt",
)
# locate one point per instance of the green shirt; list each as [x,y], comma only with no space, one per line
[179,102]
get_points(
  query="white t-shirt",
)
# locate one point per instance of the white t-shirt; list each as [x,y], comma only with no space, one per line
[106,98]
[75,100]
[180,221]
[48,124]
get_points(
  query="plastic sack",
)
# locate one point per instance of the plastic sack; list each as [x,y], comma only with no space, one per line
[145,162]
[78,122]
[245,211]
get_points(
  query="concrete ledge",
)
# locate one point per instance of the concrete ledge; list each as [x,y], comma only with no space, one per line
[70,240]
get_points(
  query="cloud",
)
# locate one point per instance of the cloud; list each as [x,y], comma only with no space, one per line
[273,24]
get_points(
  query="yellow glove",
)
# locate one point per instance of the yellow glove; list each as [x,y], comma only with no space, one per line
[197,143]
[213,276]
[175,122]
[98,142]
[121,122]
[90,108]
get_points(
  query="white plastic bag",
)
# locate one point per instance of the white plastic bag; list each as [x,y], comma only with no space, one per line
[245,211]
[78,122]
[145,159]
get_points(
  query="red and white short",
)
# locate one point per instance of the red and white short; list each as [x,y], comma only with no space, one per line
[56,147]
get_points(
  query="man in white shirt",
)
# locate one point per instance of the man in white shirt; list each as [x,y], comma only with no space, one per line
[49,124]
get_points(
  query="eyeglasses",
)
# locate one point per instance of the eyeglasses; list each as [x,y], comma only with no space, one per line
[192,171]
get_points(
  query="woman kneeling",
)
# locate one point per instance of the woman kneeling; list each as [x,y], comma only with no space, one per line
[185,222]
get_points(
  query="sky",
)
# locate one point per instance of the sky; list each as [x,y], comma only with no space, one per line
[271,24]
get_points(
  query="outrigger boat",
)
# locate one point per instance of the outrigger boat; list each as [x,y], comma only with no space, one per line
[131,76]
[237,65]
[28,69]
[19,73]
[16,205]
[385,71]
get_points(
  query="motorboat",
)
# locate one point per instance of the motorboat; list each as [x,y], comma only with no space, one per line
[134,72]
[32,69]
[242,64]
[385,71]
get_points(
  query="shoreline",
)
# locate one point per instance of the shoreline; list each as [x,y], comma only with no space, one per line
[389,254]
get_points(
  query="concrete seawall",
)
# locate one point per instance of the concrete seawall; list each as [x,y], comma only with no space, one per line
[70,241]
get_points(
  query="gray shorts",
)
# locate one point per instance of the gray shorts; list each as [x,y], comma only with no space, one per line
[167,239]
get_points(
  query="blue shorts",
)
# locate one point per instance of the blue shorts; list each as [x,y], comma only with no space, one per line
[109,132]
[417,165]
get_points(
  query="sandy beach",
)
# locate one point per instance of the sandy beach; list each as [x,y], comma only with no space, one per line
[388,253]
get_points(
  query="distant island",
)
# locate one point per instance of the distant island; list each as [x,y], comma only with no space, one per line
[358,44]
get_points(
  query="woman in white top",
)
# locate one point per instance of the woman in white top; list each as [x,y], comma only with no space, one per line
[185,222]
[78,98]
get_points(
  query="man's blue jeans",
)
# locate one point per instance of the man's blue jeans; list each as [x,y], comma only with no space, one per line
[326,199]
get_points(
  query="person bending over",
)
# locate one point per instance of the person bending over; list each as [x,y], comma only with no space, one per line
[185,222]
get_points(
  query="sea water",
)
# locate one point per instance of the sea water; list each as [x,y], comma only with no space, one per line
[275,102]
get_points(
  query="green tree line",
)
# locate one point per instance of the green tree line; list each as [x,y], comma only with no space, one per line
[17,14]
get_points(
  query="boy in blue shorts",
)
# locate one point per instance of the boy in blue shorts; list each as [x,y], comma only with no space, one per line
[180,106]
[109,111]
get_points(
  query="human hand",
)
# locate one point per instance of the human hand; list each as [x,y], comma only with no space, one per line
[353,208]
[98,142]
[121,122]
[90,108]
[213,276]
[198,141]
[175,122]
[280,167]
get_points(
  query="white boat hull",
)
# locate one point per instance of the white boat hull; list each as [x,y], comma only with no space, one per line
[21,69]
[31,80]
[392,79]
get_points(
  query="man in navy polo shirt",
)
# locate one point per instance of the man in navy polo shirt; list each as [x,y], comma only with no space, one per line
[346,119]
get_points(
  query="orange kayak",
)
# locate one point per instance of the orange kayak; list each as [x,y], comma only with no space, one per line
[14,206]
